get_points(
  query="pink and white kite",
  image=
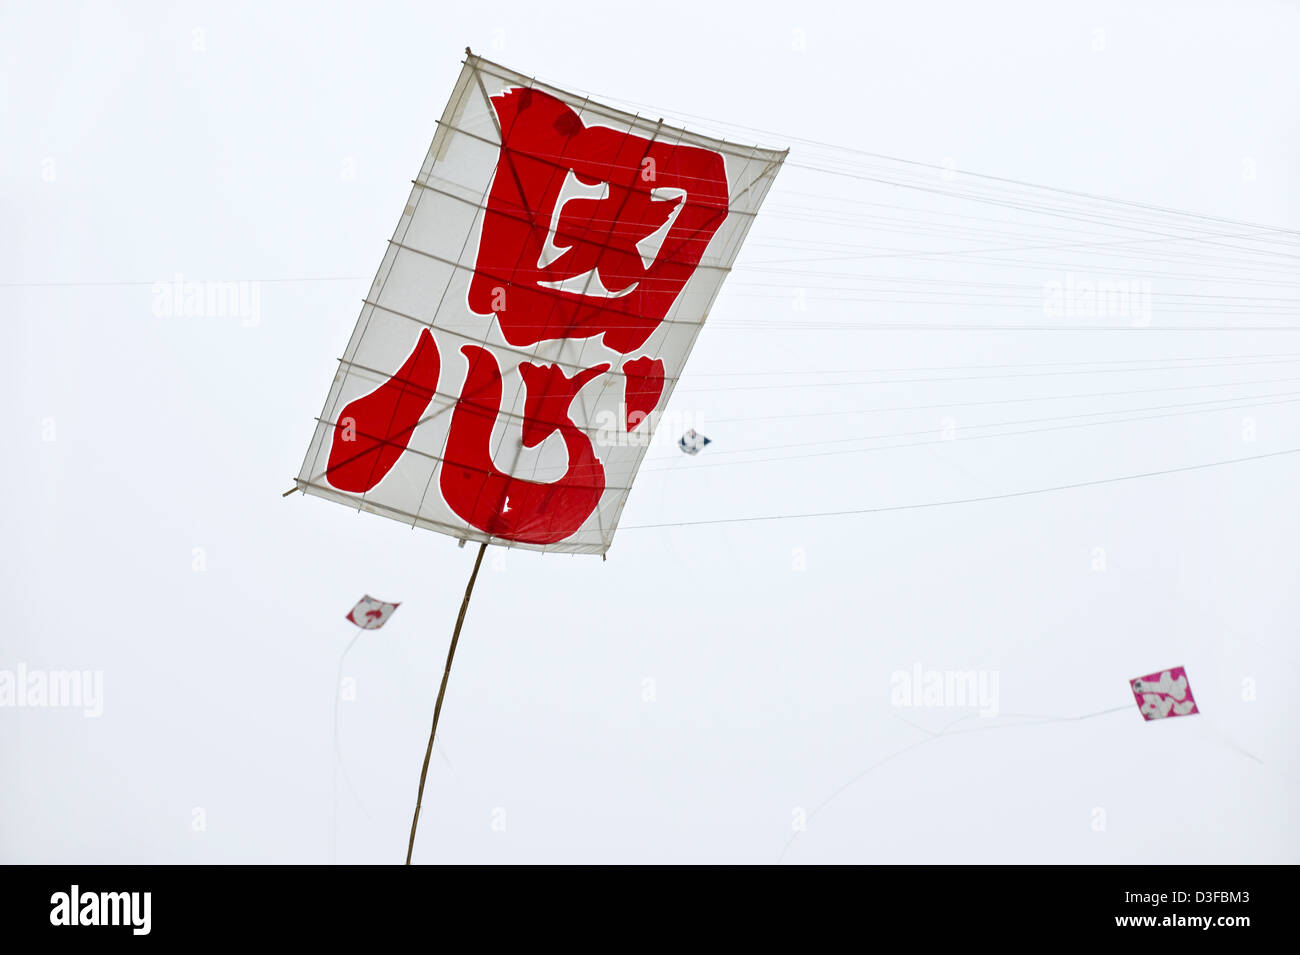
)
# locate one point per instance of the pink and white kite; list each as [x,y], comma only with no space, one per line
[371,614]
[1162,694]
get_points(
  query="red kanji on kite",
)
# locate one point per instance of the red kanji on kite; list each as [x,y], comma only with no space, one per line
[374,430]
[589,230]
[531,512]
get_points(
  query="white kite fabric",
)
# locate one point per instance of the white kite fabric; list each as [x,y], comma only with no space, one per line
[535,308]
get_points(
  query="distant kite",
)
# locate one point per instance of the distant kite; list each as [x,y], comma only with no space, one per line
[1164,694]
[692,442]
[371,614]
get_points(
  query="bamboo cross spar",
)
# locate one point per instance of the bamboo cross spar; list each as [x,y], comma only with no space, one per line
[442,691]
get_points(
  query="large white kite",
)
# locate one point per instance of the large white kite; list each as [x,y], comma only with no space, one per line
[549,274]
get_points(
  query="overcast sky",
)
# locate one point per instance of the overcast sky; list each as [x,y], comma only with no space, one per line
[707,690]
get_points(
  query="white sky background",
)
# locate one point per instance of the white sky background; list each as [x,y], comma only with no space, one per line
[772,685]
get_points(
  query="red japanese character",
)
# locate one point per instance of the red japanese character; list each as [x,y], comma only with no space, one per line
[588,230]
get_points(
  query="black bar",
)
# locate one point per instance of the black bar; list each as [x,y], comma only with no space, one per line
[911,907]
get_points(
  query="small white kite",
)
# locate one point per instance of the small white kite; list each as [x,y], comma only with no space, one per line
[692,442]
[371,614]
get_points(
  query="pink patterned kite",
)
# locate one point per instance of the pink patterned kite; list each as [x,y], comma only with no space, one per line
[1162,694]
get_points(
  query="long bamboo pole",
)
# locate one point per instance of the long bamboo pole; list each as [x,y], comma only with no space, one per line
[442,690]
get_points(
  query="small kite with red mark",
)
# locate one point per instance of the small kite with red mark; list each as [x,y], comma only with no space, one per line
[371,614]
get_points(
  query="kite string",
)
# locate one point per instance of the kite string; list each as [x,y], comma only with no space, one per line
[1227,741]
[1036,719]
[339,765]
[967,500]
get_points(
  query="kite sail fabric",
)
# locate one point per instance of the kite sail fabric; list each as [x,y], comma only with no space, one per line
[1164,694]
[535,308]
[371,614]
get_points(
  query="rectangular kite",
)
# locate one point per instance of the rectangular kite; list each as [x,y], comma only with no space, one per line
[1164,694]
[552,268]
